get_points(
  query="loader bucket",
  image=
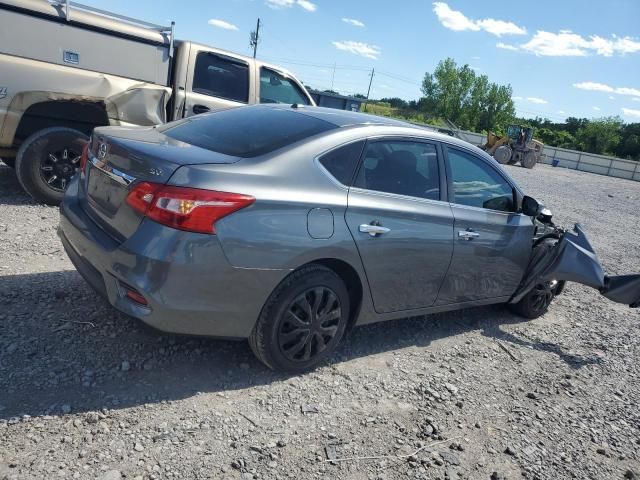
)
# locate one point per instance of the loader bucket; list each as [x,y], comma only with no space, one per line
[572,259]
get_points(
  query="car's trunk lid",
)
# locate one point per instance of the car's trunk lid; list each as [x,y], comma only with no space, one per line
[119,158]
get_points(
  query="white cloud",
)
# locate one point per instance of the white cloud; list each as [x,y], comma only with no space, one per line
[500,27]
[539,101]
[597,109]
[305,4]
[611,97]
[353,21]
[358,48]
[506,46]
[636,99]
[630,112]
[216,22]
[561,112]
[565,43]
[280,3]
[601,87]
[457,21]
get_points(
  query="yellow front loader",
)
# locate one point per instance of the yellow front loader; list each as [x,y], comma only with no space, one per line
[516,146]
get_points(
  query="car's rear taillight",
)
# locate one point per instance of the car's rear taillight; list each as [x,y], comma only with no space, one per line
[190,209]
[84,157]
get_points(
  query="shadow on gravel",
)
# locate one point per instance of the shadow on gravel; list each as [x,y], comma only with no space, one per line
[10,189]
[63,348]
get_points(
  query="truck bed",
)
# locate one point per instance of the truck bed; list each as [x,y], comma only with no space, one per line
[35,29]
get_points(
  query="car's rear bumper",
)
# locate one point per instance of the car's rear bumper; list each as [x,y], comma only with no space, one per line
[189,285]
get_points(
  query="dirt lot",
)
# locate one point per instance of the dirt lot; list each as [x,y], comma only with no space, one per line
[88,393]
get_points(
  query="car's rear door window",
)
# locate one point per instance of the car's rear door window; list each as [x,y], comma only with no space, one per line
[222,77]
[477,184]
[342,162]
[246,131]
[400,167]
[276,88]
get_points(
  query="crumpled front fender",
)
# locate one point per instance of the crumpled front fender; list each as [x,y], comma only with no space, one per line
[573,259]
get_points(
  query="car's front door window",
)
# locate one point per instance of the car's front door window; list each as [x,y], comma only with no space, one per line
[477,184]
[401,167]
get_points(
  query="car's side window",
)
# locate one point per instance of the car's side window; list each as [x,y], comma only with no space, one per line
[276,88]
[476,184]
[221,77]
[342,161]
[401,167]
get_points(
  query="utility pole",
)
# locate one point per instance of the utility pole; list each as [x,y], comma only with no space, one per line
[254,37]
[333,75]
[373,71]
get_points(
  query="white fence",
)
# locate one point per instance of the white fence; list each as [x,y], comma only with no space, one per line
[587,162]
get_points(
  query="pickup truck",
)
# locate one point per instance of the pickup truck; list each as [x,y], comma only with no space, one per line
[66,68]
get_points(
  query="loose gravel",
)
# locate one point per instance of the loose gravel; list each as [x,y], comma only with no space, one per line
[88,393]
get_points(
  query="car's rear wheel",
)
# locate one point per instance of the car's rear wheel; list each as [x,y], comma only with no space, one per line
[303,320]
[47,160]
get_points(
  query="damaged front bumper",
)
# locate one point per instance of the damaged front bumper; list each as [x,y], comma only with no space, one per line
[572,258]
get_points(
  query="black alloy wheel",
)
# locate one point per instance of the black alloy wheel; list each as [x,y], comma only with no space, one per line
[303,320]
[310,323]
[57,168]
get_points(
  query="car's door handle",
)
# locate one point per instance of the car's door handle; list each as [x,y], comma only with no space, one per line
[200,109]
[373,230]
[467,234]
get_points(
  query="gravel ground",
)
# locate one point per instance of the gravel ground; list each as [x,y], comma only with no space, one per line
[88,393]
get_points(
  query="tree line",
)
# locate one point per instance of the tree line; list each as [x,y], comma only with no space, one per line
[472,102]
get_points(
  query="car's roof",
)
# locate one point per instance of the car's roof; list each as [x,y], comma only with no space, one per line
[345,118]
[349,119]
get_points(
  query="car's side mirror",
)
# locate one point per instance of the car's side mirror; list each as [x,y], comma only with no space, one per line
[530,206]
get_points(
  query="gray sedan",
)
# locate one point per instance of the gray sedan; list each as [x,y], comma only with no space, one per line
[287,225]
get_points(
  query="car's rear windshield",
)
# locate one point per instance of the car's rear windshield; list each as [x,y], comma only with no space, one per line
[246,131]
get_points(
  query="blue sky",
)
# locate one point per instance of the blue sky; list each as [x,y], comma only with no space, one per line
[562,58]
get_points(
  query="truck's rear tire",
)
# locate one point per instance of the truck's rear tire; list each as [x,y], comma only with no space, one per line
[47,160]
[503,154]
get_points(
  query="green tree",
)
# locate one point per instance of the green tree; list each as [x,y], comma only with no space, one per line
[600,135]
[470,101]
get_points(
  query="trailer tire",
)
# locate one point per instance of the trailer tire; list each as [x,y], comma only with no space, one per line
[47,160]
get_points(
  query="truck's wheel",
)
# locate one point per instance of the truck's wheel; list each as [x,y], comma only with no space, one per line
[47,160]
[529,160]
[503,154]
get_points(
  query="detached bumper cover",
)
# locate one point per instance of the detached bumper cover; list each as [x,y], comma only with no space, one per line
[573,259]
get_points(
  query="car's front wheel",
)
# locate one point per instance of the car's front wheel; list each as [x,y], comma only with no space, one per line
[303,320]
[536,303]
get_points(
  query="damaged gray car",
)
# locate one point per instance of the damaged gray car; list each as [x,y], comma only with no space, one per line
[288,225]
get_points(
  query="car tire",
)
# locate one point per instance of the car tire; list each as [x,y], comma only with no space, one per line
[35,169]
[303,320]
[536,303]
